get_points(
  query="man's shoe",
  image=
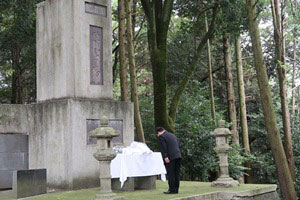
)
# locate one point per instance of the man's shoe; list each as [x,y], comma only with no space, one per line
[169,192]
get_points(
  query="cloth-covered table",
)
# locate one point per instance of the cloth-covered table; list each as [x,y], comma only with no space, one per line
[137,165]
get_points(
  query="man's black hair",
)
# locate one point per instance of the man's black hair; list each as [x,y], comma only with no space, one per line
[159,129]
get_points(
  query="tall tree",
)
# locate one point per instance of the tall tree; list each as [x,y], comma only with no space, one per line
[210,75]
[294,8]
[285,179]
[122,50]
[293,80]
[278,22]
[17,47]
[133,85]
[230,87]
[158,15]
[242,103]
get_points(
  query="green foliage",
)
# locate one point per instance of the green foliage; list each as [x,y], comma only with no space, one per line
[232,18]
[236,160]
[193,128]
[17,47]
[262,164]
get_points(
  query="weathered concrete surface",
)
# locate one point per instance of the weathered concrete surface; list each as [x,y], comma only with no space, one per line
[58,139]
[14,119]
[63,50]
[28,183]
[50,141]
[84,164]
[266,193]
[57,135]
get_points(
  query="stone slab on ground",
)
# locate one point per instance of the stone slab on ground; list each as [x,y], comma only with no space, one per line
[28,183]
[266,193]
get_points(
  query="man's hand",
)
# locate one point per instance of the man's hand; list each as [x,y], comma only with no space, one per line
[167,160]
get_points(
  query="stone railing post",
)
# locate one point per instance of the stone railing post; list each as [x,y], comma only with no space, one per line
[222,148]
[104,155]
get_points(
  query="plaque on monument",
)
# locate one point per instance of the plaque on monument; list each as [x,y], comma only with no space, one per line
[96,55]
[92,124]
[118,125]
[95,9]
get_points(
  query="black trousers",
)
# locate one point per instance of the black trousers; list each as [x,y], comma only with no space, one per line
[173,171]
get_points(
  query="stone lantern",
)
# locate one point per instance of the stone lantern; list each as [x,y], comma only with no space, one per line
[222,148]
[104,155]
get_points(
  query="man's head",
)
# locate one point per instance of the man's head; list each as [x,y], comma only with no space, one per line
[159,131]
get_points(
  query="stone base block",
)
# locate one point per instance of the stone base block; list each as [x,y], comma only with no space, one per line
[127,187]
[136,183]
[29,183]
[225,182]
[145,183]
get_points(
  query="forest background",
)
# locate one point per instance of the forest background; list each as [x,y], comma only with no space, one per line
[186,64]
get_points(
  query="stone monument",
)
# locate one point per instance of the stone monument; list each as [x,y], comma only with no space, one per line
[222,148]
[105,154]
[74,89]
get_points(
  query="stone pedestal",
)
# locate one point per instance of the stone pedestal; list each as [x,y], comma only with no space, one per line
[128,186]
[145,183]
[222,148]
[28,183]
[135,183]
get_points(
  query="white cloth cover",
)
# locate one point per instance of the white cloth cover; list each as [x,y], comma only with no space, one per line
[136,165]
[136,147]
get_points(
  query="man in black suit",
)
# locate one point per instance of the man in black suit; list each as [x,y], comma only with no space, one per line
[170,151]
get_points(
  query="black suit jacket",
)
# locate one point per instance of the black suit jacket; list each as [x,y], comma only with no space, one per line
[169,146]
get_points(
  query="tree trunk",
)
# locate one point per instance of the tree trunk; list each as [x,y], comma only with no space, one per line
[18,78]
[298,105]
[242,103]
[158,15]
[230,88]
[294,8]
[210,75]
[293,82]
[133,85]
[283,172]
[133,16]
[115,65]
[122,51]
[280,61]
